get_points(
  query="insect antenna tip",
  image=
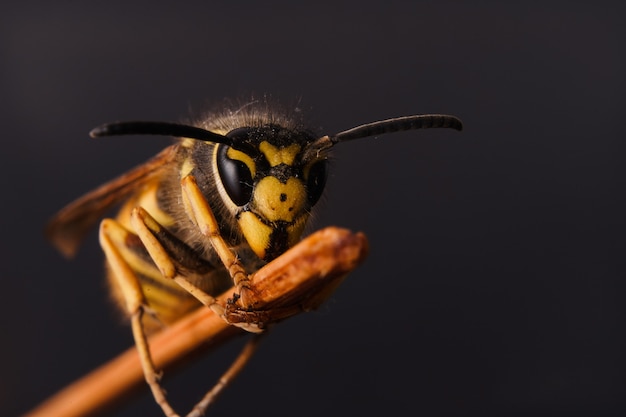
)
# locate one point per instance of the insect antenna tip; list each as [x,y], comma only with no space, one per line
[99,131]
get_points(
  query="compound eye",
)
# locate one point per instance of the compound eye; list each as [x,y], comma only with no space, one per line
[316,180]
[235,176]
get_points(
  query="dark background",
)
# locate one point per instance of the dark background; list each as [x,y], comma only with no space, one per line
[496,280]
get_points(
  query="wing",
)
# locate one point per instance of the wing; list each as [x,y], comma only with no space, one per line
[69,226]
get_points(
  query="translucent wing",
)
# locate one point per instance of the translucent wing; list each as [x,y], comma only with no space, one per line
[69,226]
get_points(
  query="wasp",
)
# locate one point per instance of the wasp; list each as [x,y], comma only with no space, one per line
[233,192]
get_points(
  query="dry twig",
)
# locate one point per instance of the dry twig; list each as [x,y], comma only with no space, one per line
[299,280]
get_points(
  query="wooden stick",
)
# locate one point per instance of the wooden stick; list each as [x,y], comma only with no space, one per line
[299,280]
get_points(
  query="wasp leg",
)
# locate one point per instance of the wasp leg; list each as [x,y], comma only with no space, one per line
[112,238]
[177,261]
[232,372]
[203,216]
[160,244]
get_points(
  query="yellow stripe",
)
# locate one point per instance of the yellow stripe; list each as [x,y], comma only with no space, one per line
[233,153]
[276,156]
[257,233]
[187,167]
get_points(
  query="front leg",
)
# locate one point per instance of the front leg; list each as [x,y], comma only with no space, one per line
[201,214]
[160,244]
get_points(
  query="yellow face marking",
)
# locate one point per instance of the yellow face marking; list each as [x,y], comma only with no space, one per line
[256,232]
[276,156]
[243,157]
[277,201]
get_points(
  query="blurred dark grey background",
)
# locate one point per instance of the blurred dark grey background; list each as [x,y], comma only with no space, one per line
[496,283]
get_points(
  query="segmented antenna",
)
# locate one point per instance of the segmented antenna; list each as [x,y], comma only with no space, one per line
[158,128]
[421,121]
